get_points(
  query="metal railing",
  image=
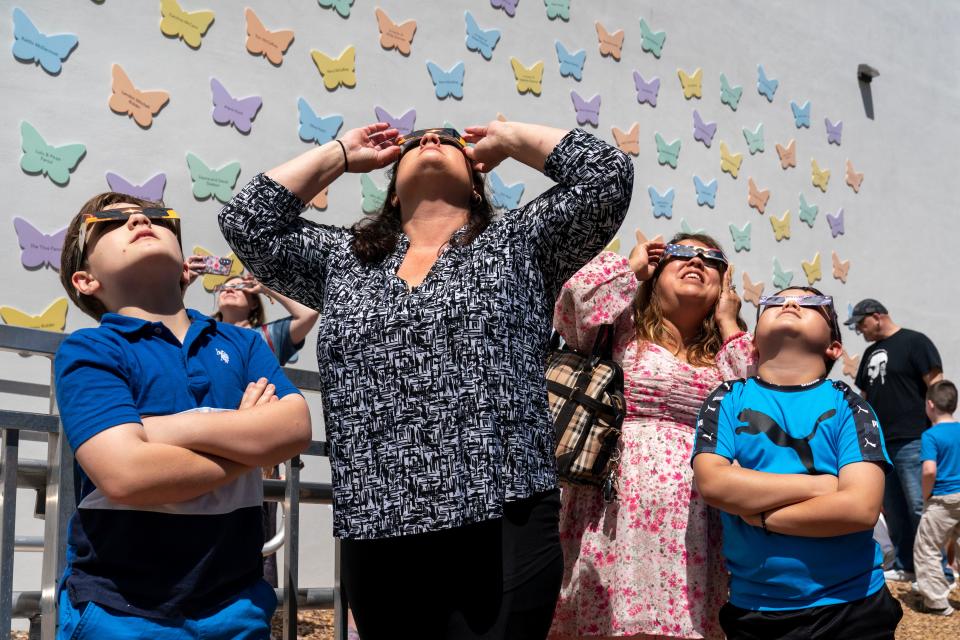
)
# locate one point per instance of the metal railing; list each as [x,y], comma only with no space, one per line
[53,479]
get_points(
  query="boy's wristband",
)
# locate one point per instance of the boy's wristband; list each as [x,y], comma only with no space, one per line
[763,522]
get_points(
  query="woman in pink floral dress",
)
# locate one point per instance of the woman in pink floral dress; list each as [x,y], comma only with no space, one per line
[649,564]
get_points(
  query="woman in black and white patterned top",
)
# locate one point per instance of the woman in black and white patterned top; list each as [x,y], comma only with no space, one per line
[435,319]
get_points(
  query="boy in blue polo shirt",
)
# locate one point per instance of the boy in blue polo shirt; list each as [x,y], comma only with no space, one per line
[940,454]
[171,415]
[796,464]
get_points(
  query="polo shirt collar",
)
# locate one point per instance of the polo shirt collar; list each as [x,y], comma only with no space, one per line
[128,325]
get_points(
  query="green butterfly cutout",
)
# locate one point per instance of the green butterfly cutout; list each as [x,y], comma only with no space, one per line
[558,9]
[754,139]
[651,41]
[340,6]
[207,182]
[57,163]
[373,196]
[741,237]
[686,228]
[729,96]
[667,153]
[781,278]
[808,212]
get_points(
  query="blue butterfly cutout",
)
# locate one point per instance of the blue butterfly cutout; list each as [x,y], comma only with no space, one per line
[766,86]
[801,115]
[447,83]
[314,128]
[483,41]
[706,193]
[571,64]
[502,195]
[30,45]
[662,203]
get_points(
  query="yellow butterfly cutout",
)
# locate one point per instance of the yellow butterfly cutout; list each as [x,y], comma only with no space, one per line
[394,35]
[752,290]
[691,83]
[812,269]
[730,162]
[211,280]
[53,318]
[781,226]
[820,176]
[788,154]
[840,268]
[189,27]
[853,178]
[851,364]
[339,71]
[757,198]
[528,79]
[614,245]
[628,141]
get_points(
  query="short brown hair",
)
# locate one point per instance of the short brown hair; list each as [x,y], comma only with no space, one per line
[71,258]
[943,395]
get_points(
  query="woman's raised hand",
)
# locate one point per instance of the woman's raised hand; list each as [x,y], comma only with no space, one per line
[370,147]
[728,305]
[645,256]
[490,148]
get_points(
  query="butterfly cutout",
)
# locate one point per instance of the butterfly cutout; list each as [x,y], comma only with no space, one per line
[706,193]
[801,115]
[788,154]
[404,124]
[151,190]
[755,197]
[502,195]
[571,64]
[834,131]
[558,9]
[337,71]
[836,223]
[646,91]
[729,96]
[692,85]
[741,237]
[528,78]
[447,83]
[628,141]
[614,245]
[263,42]
[754,139]
[501,117]
[320,200]
[853,178]
[480,40]
[587,110]
[730,162]
[642,239]
[394,35]
[29,45]
[662,203]
[53,318]
[57,163]
[667,153]
[840,268]
[372,195]
[752,290]
[766,86]
[509,6]
[207,182]
[314,128]
[340,6]
[686,228]
[812,269]
[228,110]
[850,365]
[808,212]
[187,26]
[651,41]
[128,100]
[781,226]
[781,278]
[37,248]
[819,176]
[211,281]
[611,44]
[703,131]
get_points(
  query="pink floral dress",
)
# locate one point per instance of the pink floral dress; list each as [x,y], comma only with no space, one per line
[650,562]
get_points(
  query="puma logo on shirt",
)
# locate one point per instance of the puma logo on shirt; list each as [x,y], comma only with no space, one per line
[759,422]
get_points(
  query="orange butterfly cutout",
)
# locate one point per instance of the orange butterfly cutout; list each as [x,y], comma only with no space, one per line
[757,198]
[628,141]
[840,268]
[128,100]
[850,364]
[261,41]
[853,178]
[320,200]
[393,35]
[610,43]
[788,154]
[752,290]
[501,117]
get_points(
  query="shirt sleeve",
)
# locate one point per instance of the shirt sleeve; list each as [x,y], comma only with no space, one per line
[93,392]
[283,346]
[716,422]
[928,446]
[737,357]
[924,355]
[859,438]
[261,363]
[861,379]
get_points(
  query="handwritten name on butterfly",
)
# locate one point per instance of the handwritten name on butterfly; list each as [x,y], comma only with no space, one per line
[126,99]
[228,110]
[662,203]
[40,158]
[404,124]
[754,139]
[801,115]
[741,237]
[38,249]
[787,154]
[611,44]
[781,278]
[646,91]
[557,9]
[703,131]
[756,197]
[528,79]
[151,190]
[483,41]
[766,86]
[339,71]
[730,162]
[394,35]
[53,318]
[372,195]
[692,84]
[587,110]
[651,41]
[314,128]
[447,83]
[706,192]
[628,141]
[208,182]
[571,64]
[729,95]
[187,26]
[812,269]
[502,195]
[781,226]
[263,42]
[30,45]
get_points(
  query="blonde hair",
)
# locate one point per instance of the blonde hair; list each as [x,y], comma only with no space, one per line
[257,316]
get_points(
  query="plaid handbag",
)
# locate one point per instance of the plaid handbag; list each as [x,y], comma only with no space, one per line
[588,407]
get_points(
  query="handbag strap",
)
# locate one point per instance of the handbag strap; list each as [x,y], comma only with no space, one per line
[603,345]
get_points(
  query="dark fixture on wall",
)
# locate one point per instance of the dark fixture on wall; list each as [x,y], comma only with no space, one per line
[865,75]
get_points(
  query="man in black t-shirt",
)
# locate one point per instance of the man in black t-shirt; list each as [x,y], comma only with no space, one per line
[894,374]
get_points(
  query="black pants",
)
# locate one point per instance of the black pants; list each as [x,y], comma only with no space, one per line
[492,580]
[873,618]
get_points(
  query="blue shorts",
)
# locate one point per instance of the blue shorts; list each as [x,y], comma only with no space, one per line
[246,617]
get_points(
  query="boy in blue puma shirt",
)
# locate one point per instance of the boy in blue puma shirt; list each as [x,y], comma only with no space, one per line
[796,464]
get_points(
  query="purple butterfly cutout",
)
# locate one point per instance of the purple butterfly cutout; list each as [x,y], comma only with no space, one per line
[834,131]
[646,91]
[509,6]
[703,131]
[229,110]
[38,248]
[587,110]
[836,223]
[403,124]
[151,190]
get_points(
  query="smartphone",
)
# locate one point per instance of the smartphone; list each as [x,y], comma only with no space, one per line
[217,265]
